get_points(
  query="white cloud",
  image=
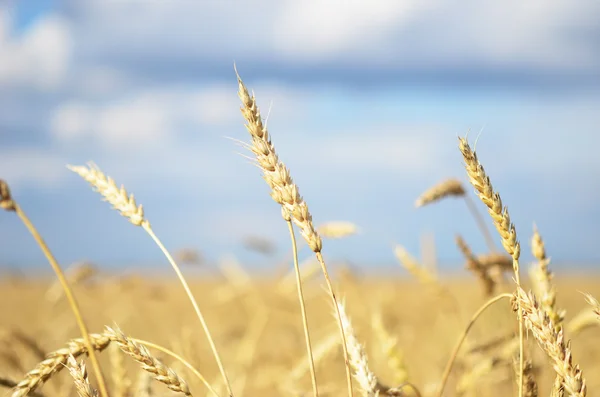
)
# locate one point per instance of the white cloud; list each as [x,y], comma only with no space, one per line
[321,30]
[40,57]
[71,121]
[144,118]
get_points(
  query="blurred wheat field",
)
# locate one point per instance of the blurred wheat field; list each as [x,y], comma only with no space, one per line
[258,329]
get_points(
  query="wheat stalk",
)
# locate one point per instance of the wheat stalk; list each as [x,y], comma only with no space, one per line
[9,204]
[461,340]
[286,193]
[501,218]
[125,203]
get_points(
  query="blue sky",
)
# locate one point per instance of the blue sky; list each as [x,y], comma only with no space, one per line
[366,101]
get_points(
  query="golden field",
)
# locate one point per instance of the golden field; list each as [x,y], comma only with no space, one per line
[257,328]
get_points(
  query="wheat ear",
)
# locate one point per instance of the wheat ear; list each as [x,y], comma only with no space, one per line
[9,383]
[9,204]
[125,203]
[447,188]
[358,359]
[79,374]
[337,229]
[552,342]
[542,280]
[149,363]
[454,188]
[531,387]
[56,361]
[501,218]
[286,193]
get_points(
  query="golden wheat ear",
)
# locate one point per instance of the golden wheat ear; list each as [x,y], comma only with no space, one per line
[439,191]
[139,353]
[79,374]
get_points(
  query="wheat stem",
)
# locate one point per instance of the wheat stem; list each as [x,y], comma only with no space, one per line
[313,374]
[186,287]
[334,301]
[456,349]
[70,297]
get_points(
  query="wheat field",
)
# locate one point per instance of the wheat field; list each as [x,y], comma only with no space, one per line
[511,328]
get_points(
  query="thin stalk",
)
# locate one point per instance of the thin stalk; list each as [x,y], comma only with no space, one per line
[178,358]
[184,283]
[463,337]
[521,326]
[480,223]
[311,362]
[339,318]
[70,297]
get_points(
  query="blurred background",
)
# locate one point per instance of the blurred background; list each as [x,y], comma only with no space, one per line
[365,103]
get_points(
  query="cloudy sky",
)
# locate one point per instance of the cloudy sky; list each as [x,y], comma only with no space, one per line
[366,102]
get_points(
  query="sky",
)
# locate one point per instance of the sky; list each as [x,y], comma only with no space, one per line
[365,101]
